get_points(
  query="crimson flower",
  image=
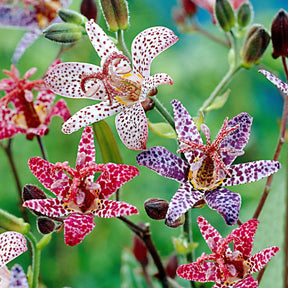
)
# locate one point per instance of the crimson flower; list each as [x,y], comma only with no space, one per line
[114,83]
[78,196]
[208,167]
[27,116]
[226,267]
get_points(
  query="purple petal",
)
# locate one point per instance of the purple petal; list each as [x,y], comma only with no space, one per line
[225,202]
[89,115]
[132,127]
[251,171]
[148,44]
[276,81]
[184,199]
[248,282]
[18,277]
[238,138]
[164,163]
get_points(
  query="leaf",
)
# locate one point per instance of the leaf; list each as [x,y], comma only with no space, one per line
[218,102]
[182,246]
[107,143]
[199,120]
[162,129]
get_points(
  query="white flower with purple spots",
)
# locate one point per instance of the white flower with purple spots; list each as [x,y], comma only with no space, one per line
[119,87]
[208,167]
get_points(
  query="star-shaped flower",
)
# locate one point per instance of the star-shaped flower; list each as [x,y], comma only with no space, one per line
[226,267]
[78,196]
[115,83]
[208,167]
[27,117]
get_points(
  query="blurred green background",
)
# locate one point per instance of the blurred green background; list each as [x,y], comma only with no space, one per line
[196,64]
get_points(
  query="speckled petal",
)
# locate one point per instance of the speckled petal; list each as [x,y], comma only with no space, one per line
[164,163]
[41,130]
[66,79]
[100,41]
[42,170]
[238,138]
[219,285]
[147,45]
[12,244]
[114,177]
[245,237]
[276,81]
[183,200]
[76,227]
[251,171]
[209,233]
[260,259]
[89,115]
[110,208]
[132,127]
[50,207]
[225,202]
[59,109]
[18,277]
[186,129]
[248,282]
[45,99]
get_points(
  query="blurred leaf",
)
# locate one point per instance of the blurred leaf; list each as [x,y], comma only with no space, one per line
[162,129]
[218,102]
[182,246]
[199,120]
[107,143]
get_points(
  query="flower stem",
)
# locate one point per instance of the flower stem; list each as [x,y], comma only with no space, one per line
[163,112]
[286,228]
[44,155]
[121,44]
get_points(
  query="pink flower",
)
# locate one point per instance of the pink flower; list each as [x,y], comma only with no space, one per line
[226,267]
[27,117]
[115,83]
[78,196]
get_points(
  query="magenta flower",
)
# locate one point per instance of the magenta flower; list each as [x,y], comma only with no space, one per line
[78,196]
[114,83]
[226,267]
[208,167]
[27,117]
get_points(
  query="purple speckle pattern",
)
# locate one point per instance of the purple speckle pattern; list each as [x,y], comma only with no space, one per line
[225,202]
[251,171]
[17,278]
[276,81]
[165,163]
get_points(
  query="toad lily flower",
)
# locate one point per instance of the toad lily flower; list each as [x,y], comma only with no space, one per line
[226,267]
[78,196]
[27,117]
[208,167]
[114,83]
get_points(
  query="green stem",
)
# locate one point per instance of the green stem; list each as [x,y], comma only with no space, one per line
[44,155]
[121,44]
[163,112]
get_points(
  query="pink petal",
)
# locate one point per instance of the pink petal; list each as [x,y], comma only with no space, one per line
[132,127]
[276,81]
[59,109]
[248,282]
[66,79]
[114,177]
[50,207]
[89,115]
[148,44]
[245,237]
[41,130]
[251,171]
[236,3]
[209,233]
[219,285]
[30,73]
[260,259]
[45,98]
[77,226]
[206,4]
[12,244]
[100,41]
[111,209]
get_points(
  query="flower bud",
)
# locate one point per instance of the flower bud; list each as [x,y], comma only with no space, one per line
[171,266]
[178,222]
[116,14]
[189,7]
[140,251]
[71,16]
[224,14]
[254,46]
[89,9]
[148,104]
[11,223]
[45,225]
[32,192]
[156,208]
[64,32]
[244,14]
[279,34]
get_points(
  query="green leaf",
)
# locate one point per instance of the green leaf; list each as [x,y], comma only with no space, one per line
[107,143]
[182,246]
[218,102]
[199,120]
[162,129]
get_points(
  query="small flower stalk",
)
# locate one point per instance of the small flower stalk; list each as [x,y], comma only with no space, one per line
[10,222]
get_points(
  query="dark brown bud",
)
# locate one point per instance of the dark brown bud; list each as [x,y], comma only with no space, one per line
[171,266]
[189,7]
[148,104]
[32,192]
[89,9]
[178,222]
[140,251]
[279,34]
[45,225]
[156,208]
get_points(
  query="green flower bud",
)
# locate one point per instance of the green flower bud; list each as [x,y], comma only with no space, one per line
[71,16]
[116,14]
[10,222]
[244,14]
[224,14]
[254,46]
[64,32]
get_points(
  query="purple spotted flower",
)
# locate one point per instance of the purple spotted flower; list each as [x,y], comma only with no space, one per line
[115,83]
[208,167]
